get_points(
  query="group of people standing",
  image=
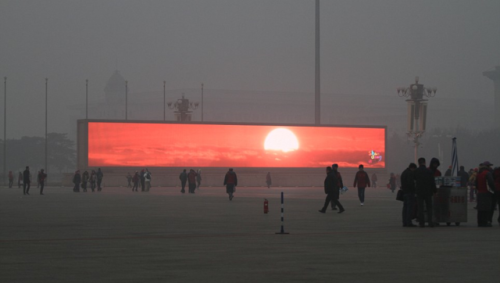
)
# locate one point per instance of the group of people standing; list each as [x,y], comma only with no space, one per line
[418,185]
[144,178]
[83,180]
[193,179]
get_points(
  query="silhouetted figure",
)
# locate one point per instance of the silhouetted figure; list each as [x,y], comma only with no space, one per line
[26,181]
[392,182]
[41,180]
[93,180]
[268,180]
[183,178]
[85,180]
[485,185]
[425,189]
[135,180]
[434,167]
[192,181]
[129,180]
[331,186]
[362,181]
[143,180]
[77,179]
[496,195]
[11,179]
[448,172]
[198,179]
[99,176]
[147,179]
[340,182]
[230,181]
[408,188]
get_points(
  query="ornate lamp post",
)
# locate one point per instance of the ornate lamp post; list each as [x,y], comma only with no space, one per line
[183,109]
[417,110]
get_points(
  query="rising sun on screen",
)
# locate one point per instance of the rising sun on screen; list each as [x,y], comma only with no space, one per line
[281,139]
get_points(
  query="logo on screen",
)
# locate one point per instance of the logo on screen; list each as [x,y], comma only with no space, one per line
[375,157]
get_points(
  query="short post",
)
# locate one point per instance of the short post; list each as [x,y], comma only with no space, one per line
[282,232]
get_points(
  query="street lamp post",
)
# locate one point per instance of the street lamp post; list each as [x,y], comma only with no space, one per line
[183,109]
[46,125]
[202,102]
[417,110]
[87,99]
[164,107]
[5,129]
[317,82]
[126,100]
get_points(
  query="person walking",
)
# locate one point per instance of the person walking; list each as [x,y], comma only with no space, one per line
[230,181]
[26,181]
[129,180]
[192,181]
[392,182]
[198,179]
[147,180]
[425,189]
[340,182]
[374,180]
[485,186]
[11,179]
[77,179]
[183,178]
[268,180]
[331,190]
[362,181]
[408,188]
[135,179]
[99,176]
[41,180]
[93,180]
[85,180]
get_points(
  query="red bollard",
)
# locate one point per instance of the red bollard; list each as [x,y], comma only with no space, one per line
[266,206]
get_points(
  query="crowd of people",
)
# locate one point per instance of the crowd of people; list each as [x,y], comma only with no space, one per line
[24,180]
[418,187]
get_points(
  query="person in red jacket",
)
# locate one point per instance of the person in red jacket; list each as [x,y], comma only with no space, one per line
[484,183]
[230,181]
[192,181]
[362,181]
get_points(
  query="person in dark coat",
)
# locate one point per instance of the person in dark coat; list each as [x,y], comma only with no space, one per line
[192,181]
[464,177]
[26,181]
[198,179]
[340,182]
[93,180]
[392,182]
[434,167]
[142,177]
[496,195]
[425,189]
[448,172]
[41,180]
[485,186]
[331,186]
[183,178]
[408,188]
[85,180]
[77,179]
[362,181]
[99,176]
[230,181]
[135,180]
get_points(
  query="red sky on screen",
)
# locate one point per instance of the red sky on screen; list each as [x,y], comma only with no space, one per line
[194,145]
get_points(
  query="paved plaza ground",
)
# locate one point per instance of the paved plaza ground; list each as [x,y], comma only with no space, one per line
[163,236]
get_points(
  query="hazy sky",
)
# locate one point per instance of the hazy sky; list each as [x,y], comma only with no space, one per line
[368,47]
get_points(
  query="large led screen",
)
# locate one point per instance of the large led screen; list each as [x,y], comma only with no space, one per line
[210,145]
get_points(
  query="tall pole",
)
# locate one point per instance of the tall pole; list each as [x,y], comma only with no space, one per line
[126,100]
[164,110]
[86,99]
[46,120]
[5,130]
[317,113]
[202,102]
